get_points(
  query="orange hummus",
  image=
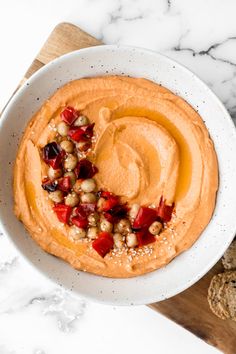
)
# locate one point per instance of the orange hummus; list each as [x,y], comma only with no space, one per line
[149,143]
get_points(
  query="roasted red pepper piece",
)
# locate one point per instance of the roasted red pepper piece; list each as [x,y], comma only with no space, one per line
[111,200]
[76,134]
[80,222]
[164,212]
[110,203]
[79,211]
[53,155]
[145,217]
[105,194]
[88,130]
[48,185]
[103,244]
[69,115]
[83,133]
[88,207]
[80,219]
[63,212]
[144,237]
[113,210]
[85,169]
[109,217]
[117,212]
[64,184]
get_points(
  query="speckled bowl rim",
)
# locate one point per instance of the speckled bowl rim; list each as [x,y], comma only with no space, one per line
[148,279]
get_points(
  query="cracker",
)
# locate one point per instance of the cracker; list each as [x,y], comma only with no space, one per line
[229,258]
[229,296]
[222,295]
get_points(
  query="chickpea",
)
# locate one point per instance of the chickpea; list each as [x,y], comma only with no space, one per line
[81,120]
[105,225]
[67,145]
[72,177]
[77,185]
[88,185]
[70,162]
[100,203]
[134,211]
[88,198]
[123,226]
[63,128]
[53,174]
[76,233]
[92,232]
[56,197]
[131,240]
[155,228]
[72,199]
[118,240]
[93,219]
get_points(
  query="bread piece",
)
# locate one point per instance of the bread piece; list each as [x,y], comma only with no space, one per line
[222,295]
[229,258]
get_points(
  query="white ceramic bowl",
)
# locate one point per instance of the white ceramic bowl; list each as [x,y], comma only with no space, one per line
[187,268]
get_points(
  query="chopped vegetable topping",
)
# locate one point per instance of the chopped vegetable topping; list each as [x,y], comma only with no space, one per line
[80,221]
[164,212]
[144,237]
[49,186]
[103,244]
[85,169]
[83,133]
[63,212]
[53,155]
[144,218]
[64,184]
[69,115]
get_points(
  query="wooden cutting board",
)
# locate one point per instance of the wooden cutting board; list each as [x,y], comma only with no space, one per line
[190,308]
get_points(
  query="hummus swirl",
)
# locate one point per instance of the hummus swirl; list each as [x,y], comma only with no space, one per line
[149,143]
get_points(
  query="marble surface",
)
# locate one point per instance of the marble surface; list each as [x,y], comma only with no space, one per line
[36,317]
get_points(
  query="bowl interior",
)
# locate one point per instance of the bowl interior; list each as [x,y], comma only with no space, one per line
[112,60]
